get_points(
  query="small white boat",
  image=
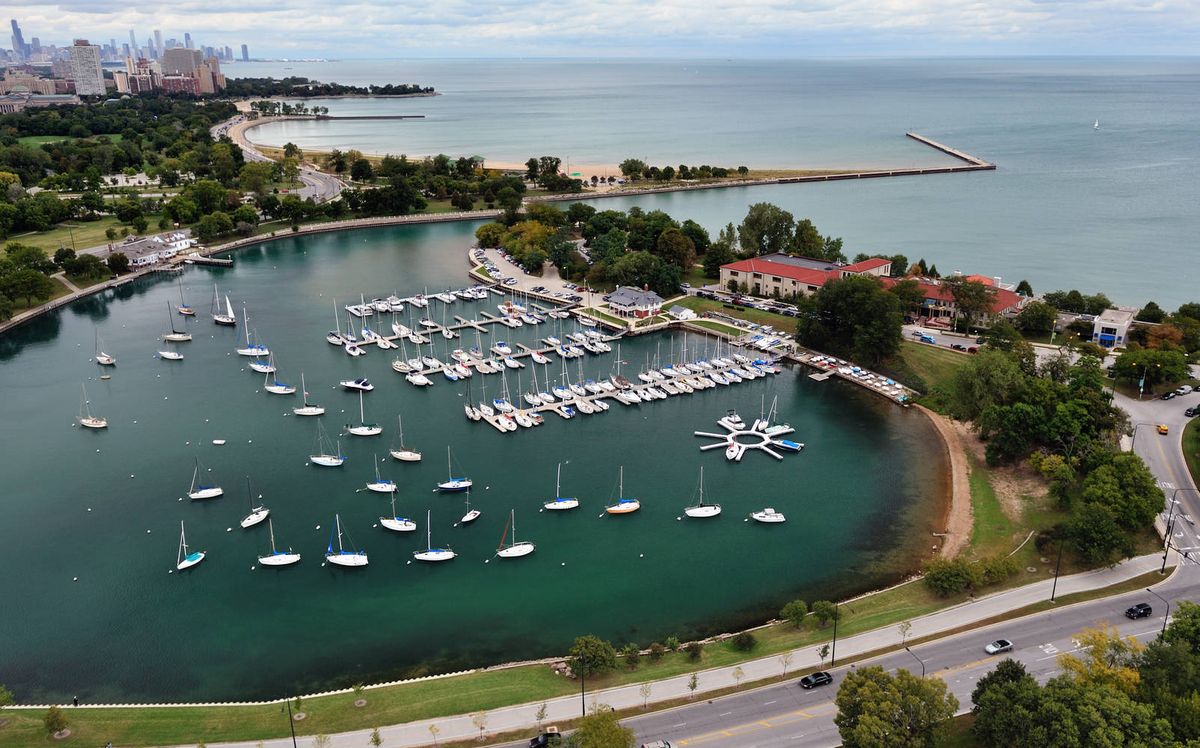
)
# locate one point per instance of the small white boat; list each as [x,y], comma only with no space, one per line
[262,367]
[396,523]
[502,349]
[198,490]
[307,409]
[183,307]
[325,455]
[453,484]
[560,502]
[623,505]
[343,557]
[362,385]
[272,384]
[103,358]
[768,516]
[381,485]
[403,453]
[418,379]
[85,417]
[224,318]
[552,341]
[175,336]
[471,515]
[169,355]
[702,510]
[352,349]
[430,553]
[516,548]
[257,513]
[538,358]
[185,560]
[363,428]
[257,350]
[277,557]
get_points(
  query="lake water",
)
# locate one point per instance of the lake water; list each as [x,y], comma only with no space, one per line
[1111,210]
[105,507]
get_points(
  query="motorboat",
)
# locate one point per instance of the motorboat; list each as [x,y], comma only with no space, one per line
[362,385]
[768,516]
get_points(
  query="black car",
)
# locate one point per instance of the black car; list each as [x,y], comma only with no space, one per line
[1141,610]
[1168,395]
[1193,411]
[958,346]
[551,737]
[819,678]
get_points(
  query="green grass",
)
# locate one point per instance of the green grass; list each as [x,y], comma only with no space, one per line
[757,316]
[696,277]
[1191,448]
[82,283]
[993,532]
[593,311]
[932,364]
[36,141]
[60,290]
[714,325]
[85,234]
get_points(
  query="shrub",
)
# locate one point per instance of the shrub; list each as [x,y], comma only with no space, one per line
[694,650]
[631,652]
[795,611]
[744,641]
[657,651]
[948,577]
[673,643]
[824,611]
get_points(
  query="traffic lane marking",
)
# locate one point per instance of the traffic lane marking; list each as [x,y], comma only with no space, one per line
[783,720]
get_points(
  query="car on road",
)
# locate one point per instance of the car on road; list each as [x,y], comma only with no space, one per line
[1141,610]
[916,334]
[1184,390]
[551,737]
[819,678]
[1163,429]
[657,744]
[958,347]
[998,646]
[1168,395]
[1192,411]
[973,349]
[928,339]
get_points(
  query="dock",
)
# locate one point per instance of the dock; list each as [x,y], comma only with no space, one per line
[974,161]
[195,258]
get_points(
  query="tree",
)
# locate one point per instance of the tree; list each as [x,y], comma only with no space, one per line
[694,650]
[675,247]
[6,698]
[794,611]
[644,690]
[880,710]
[1128,488]
[823,652]
[718,254]
[1024,289]
[949,576]
[362,171]
[692,684]
[1106,659]
[766,229]
[738,674]
[256,176]
[1150,366]
[591,655]
[291,150]
[510,202]
[632,168]
[213,225]
[1152,313]
[744,641]
[118,262]
[808,241]
[657,652]
[697,233]
[540,716]
[479,719]
[531,170]
[600,729]
[127,209]
[580,213]
[631,654]
[905,628]
[55,721]
[1008,671]
[1094,530]
[852,316]
[973,299]
[824,611]
[785,661]
[375,739]
[1037,318]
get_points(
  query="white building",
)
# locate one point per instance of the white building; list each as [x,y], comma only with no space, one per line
[634,302]
[1111,328]
[85,69]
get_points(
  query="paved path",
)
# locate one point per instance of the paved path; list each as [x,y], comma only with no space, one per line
[318,185]
[524,716]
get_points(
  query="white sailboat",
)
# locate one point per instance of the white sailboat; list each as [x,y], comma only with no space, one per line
[517,548]
[255,349]
[272,384]
[175,336]
[702,510]
[183,307]
[276,557]
[623,505]
[560,502]
[335,337]
[103,358]
[471,515]
[404,453]
[1096,125]
[257,513]
[185,560]
[343,557]
[169,355]
[396,523]
[325,456]
[430,553]
[381,485]
[85,417]
[200,491]
[307,409]
[225,318]
[363,428]
[453,484]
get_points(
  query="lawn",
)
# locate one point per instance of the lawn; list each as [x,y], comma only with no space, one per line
[931,364]
[716,326]
[1191,448]
[80,234]
[758,316]
[994,532]
[60,290]
[36,141]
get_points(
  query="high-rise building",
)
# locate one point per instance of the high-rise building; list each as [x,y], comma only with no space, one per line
[245,53]
[18,42]
[187,40]
[181,61]
[158,47]
[132,41]
[85,69]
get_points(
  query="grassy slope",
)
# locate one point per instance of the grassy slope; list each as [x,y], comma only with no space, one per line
[778,321]
[85,233]
[60,290]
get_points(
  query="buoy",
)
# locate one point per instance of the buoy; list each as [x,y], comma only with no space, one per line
[131,475]
[147,532]
[641,555]
[135,421]
[408,563]
[322,564]
[89,509]
[170,571]
[564,563]
[679,519]
[487,560]
[97,451]
[252,568]
[74,579]
[228,529]
[318,527]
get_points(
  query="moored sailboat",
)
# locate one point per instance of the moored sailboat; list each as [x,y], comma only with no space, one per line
[184,559]
[343,557]
[702,510]
[516,548]
[396,523]
[198,490]
[381,485]
[623,505]
[85,417]
[257,513]
[560,502]
[403,453]
[277,557]
[175,336]
[453,484]
[325,455]
[307,409]
[430,553]
[363,428]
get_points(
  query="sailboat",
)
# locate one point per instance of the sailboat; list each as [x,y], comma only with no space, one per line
[623,505]
[471,515]
[183,307]
[381,485]
[517,548]
[85,417]
[199,490]
[334,337]
[343,557]
[225,318]
[430,553]
[185,560]
[257,513]
[325,456]
[272,384]
[396,523]
[1096,125]
[103,358]
[307,409]
[256,349]
[403,453]
[277,558]
[560,502]
[702,510]
[175,336]
[452,484]
[363,428]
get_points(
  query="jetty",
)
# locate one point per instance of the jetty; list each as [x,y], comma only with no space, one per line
[195,258]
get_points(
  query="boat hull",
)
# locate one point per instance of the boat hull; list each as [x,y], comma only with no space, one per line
[309,410]
[434,555]
[347,559]
[702,512]
[456,485]
[93,423]
[383,486]
[255,517]
[279,559]
[206,493]
[470,516]
[516,550]
[624,507]
[398,524]
[559,505]
[364,430]
[191,560]
[405,455]
[327,460]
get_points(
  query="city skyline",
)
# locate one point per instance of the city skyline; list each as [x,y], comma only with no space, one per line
[737,28]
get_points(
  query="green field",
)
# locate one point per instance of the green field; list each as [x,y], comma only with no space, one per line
[932,364]
[757,316]
[36,141]
[79,234]
[60,290]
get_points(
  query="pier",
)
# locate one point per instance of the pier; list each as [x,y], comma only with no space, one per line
[974,161]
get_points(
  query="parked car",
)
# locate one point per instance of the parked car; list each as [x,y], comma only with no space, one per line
[958,347]
[1141,610]
[916,334]
[1168,396]
[550,737]
[928,339]
[819,678]
[657,744]
[1163,429]
[998,646]
[973,349]
[1184,390]
[1192,411]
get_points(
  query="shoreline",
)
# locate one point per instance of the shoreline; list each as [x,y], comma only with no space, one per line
[958,516]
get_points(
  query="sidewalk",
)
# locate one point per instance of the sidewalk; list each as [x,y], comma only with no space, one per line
[523,716]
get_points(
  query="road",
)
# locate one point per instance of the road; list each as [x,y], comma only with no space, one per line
[321,187]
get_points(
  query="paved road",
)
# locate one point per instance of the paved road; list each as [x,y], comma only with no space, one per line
[318,185]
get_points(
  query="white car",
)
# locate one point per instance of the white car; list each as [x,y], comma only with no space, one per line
[998,646]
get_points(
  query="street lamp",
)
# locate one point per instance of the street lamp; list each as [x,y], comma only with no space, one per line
[918,659]
[1171,526]
[1167,603]
[833,656]
[1057,564]
[291,722]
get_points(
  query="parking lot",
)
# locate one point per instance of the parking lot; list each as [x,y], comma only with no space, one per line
[513,277]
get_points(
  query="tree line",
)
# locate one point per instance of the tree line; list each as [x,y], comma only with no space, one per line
[295,85]
[636,170]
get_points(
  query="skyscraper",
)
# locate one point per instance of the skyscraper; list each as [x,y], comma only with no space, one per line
[132,41]
[158,47]
[245,53]
[85,69]
[187,40]
[181,61]
[18,42]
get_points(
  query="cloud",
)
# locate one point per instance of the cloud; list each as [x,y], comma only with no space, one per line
[400,28]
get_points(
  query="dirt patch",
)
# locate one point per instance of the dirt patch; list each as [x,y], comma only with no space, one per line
[1014,485]
[959,519]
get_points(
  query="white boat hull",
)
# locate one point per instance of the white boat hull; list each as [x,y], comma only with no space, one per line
[700,512]
[516,550]
[190,561]
[327,460]
[435,554]
[279,559]
[206,493]
[455,485]
[365,430]
[405,455]
[561,504]
[170,356]
[280,389]
[768,516]
[253,518]
[470,516]
[309,410]
[178,337]
[347,559]
[624,507]
[398,524]
[93,423]
[383,486]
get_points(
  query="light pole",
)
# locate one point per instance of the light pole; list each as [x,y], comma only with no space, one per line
[918,659]
[291,722]
[833,656]
[1167,603]
[1057,564]
[1171,526]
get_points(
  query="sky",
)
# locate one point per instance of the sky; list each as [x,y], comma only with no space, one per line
[622,28]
